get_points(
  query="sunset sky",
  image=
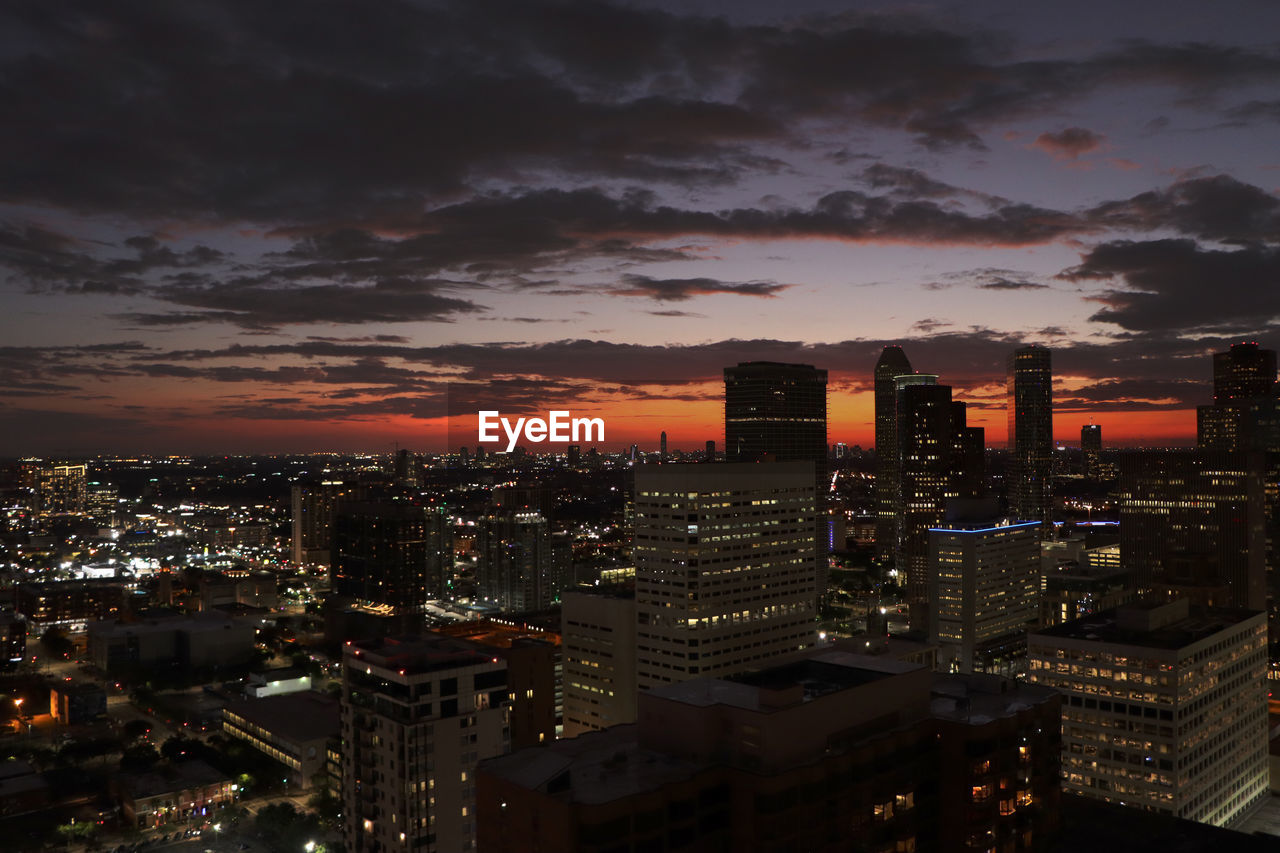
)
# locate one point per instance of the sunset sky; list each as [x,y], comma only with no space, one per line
[296,226]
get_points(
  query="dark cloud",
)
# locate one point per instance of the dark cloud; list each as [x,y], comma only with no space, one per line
[680,289]
[1175,285]
[1011,284]
[1068,144]
[1216,207]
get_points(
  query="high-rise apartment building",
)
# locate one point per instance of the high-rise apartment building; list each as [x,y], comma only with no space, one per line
[724,567]
[830,752]
[514,568]
[390,555]
[313,507]
[892,363]
[58,488]
[1091,449]
[1192,524]
[1030,411]
[418,715]
[598,646]
[1165,707]
[985,593]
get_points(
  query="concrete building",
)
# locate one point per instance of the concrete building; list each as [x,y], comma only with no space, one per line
[725,576]
[1165,708]
[829,752]
[314,505]
[418,714]
[175,641]
[598,646]
[985,590]
[294,729]
[391,555]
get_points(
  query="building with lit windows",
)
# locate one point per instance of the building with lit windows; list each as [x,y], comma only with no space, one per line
[1165,707]
[293,728]
[314,505]
[725,575]
[1091,449]
[514,566]
[779,412]
[985,592]
[598,634]
[1192,523]
[828,752]
[418,714]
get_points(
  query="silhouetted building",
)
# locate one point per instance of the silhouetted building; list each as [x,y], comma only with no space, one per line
[314,505]
[892,363]
[831,752]
[72,604]
[390,555]
[1091,449]
[1030,411]
[724,567]
[1192,524]
[662,445]
[940,458]
[1165,708]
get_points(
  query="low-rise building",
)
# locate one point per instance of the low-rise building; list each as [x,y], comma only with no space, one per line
[172,793]
[294,729]
[195,641]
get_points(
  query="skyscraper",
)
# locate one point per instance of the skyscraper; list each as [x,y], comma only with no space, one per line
[1244,412]
[1030,411]
[779,411]
[514,568]
[940,458]
[892,362]
[1091,448]
[662,445]
[724,567]
[1192,523]
[390,555]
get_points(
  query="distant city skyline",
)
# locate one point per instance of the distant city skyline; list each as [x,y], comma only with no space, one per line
[221,231]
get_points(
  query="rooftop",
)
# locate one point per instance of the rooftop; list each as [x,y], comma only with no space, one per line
[171,778]
[596,767]
[294,716]
[787,684]
[980,699]
[1119,626]
[418,654]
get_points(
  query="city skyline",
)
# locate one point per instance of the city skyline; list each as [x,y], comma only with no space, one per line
[223,231]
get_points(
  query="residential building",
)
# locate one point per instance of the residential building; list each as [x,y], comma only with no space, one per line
[418,714]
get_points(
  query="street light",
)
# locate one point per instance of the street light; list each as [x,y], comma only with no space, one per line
[310,847]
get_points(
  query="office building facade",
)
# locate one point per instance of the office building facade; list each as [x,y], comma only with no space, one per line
[724,567]
[985,593]
[1165,707]
[892,363]
[598,645]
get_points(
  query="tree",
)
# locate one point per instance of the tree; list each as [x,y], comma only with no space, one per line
[55,641]
[141,756]
[135,729]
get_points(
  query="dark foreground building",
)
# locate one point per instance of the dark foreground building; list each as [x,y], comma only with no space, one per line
[830,752]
